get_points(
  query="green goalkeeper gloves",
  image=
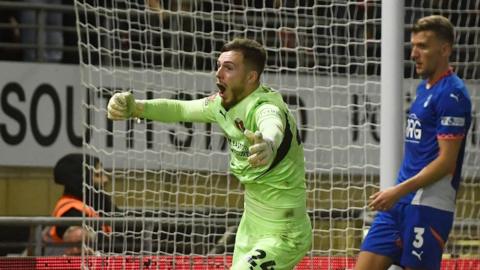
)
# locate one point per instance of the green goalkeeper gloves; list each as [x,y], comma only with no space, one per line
[122,106]
[262,151]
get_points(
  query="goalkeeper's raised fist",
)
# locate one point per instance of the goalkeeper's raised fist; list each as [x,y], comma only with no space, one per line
[121,106]
[261,151]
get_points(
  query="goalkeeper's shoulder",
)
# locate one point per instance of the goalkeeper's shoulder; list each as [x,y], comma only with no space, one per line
[213,100]
[212,104]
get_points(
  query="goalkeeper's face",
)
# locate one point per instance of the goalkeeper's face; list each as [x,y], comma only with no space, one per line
[234,80]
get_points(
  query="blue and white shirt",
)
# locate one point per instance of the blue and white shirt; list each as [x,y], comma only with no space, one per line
[442,111]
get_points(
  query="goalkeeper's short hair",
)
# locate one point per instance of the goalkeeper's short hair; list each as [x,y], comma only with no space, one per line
[253,52]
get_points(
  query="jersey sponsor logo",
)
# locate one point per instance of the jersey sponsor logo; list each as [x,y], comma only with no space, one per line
[413,131]
[452,121]
[413,116]
[238,153]
[425,104]
[452,95]
[238,148]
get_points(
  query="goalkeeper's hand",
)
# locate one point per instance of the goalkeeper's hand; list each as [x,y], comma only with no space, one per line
[121,106]
[261,151]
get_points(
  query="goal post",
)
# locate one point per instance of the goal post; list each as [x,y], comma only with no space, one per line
[323,56]
[391,91]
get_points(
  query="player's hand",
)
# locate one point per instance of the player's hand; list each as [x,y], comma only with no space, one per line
[121,106]
[384,200]
[261,151]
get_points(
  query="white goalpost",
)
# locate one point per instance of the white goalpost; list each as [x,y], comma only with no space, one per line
[179,205]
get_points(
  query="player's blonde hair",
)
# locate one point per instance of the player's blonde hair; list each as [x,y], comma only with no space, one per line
[438,24]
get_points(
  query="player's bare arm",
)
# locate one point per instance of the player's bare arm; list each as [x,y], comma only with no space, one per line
[443,165]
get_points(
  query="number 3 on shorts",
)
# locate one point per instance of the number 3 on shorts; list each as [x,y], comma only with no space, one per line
[418,242]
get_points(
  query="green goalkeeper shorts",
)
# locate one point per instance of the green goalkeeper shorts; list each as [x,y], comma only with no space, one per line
[271,238]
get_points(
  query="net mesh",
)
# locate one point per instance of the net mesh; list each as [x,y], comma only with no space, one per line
[171,180]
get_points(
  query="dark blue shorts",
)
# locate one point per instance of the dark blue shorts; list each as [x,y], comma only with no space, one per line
[412,235]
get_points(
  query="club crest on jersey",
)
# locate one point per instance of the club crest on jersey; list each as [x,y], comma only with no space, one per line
[452,121]
[239,124]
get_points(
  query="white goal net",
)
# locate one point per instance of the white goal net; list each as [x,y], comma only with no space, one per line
[171,181]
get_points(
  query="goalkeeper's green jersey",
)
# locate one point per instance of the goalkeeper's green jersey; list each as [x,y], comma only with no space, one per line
[280,184]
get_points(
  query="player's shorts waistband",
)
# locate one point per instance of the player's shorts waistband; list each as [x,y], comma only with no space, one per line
[258,209]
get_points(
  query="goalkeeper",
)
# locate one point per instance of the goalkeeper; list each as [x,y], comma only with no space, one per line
[265,149]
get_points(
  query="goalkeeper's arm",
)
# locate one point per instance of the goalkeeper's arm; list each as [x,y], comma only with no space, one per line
[123,106]
[265,141]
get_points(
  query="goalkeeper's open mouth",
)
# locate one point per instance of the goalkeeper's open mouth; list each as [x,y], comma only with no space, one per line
[221,89]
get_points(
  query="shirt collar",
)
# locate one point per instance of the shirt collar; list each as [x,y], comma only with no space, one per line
[429,84]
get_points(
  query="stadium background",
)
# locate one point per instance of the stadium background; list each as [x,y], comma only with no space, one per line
[28,190]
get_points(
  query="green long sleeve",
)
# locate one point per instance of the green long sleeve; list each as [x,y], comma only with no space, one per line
[271,123]
[169,110]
